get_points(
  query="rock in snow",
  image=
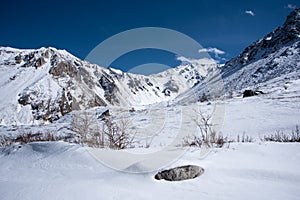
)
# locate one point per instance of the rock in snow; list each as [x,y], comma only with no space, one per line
[180,173]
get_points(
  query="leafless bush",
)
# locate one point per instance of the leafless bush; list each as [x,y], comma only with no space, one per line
[118,134]
[107,133]
[245,138]
[29,137]
[208,135]
[86,126]
[221,140]
[280,136]
[205,126]
[191,141]
[196,141]
[5,141]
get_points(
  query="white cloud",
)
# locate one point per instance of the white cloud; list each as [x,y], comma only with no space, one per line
[250,12]
[291,6]
[215,51]
[212,50]
[205,60]
[196,61]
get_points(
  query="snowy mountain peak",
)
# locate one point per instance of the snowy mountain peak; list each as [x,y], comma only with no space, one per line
[281,37]
[46,83]
[274,58]
[292,22]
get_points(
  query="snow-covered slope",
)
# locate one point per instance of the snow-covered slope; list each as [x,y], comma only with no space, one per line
[277,54]
[274,57]
[47,83]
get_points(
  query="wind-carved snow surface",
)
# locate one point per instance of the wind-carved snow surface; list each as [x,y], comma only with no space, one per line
[62,171]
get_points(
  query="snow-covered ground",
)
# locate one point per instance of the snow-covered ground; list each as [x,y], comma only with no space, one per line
[62,171]
[39,87]
[259,170]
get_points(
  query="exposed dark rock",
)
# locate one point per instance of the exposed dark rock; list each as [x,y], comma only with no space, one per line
[135,84]
[12,77]
[132,110]
[104,115]
[250,93]
[108,86]
[18,59]
[39,62]
[180,173]
[64,105]
[63,68]
[148,82]
[170,87]
[24,99]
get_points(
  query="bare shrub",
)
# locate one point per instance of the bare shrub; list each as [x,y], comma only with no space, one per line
[148,141]
[191,141]
[196,141]
[29,137]
[105,133]
[280,136]
[118,133]
[220,141]
[86,126]
[245,138]
[5,141]
[208,135]
[205,126]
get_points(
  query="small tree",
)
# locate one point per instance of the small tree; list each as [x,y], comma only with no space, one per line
[208,135]
[100,134]
[205,126]
[118,134]
[86,126]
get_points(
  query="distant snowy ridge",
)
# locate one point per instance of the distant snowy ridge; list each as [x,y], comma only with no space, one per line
[47,83]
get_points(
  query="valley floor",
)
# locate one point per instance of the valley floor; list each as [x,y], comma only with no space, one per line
[59,170]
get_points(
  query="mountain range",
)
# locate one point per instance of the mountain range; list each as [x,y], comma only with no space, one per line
[45,84]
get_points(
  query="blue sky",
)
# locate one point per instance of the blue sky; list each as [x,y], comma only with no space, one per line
[79,26]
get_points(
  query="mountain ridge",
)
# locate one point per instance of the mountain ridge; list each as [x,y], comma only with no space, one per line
[51,83]
[46,83]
